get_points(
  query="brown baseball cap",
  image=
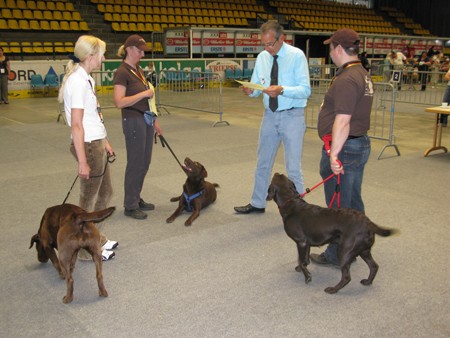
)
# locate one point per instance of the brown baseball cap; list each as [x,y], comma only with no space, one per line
[345,37]
[137,41]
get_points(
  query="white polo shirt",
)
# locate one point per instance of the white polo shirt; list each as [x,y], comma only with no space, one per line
[78,93]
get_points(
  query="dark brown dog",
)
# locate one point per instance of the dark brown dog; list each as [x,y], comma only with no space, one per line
[68,228]
[197,193]
[310,225]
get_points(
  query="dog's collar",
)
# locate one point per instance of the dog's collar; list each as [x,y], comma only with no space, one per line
[284,205]
[190,198]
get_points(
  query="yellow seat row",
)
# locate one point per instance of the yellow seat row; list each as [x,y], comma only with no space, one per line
[41,5]
[176,19]
[36,47]
[243,12]
[44,25]
[17,14]
[229,4]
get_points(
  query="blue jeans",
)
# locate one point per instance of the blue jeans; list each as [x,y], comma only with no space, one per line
[287,127]
[354,156]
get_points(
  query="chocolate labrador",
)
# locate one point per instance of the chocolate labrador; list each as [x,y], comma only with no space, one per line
[197,193]
[67,228]
[310,225]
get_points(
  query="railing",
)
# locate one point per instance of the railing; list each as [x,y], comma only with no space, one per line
[194,90]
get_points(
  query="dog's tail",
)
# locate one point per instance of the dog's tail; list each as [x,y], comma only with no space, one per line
[382,231]
[216,185]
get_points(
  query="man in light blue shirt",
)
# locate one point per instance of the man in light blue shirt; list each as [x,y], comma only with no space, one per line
[283,70]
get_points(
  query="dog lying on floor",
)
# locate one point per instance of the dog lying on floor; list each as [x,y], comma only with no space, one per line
[310,225]
[197,193]
[67,228]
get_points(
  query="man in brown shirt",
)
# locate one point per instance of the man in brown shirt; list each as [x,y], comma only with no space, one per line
[344,120]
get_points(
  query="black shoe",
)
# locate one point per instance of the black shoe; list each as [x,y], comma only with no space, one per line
[146,206]
[322,260]
[135,213]
[248,209]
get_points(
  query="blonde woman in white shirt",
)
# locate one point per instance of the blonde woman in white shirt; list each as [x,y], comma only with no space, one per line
[90,145]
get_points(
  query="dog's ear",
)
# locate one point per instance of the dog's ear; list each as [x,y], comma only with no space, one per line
[271,193]
[35,239]
[293,187]
[96,216]
[204,173]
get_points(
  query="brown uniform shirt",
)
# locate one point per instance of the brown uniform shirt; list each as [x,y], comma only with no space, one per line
[350,92]
[134,81]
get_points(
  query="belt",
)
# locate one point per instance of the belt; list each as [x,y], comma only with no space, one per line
[288,109]
[95,141]
[351,137]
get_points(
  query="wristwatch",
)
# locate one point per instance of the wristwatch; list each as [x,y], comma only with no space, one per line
[282,91]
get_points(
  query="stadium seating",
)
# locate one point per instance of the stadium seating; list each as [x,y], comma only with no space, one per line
[21,15]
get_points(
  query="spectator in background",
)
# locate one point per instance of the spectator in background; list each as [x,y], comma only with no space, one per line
[364,60]
[446,98]
[398,61]
[4,72]
[435,67]
[432,52]
[423,66]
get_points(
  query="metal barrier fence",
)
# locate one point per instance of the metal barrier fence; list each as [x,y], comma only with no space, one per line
[382,115]
[194,90]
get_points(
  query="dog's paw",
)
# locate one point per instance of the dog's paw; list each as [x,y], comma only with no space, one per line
[188,223]
[170,220]
[67,299]
[103,293]
[366,282]
[298,268]
[331,290]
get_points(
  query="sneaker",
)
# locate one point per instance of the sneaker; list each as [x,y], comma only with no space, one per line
[135,213]
[107,255]
[146,206]
[109,245]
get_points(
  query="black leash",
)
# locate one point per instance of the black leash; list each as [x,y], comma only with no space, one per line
[109,159]
[164,143]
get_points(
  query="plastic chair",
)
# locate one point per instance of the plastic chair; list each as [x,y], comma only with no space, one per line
[37,84]
[229,74]
[247,73]
[238,74]
[51,81]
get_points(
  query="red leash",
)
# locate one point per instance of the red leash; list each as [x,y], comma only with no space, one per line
[337,192]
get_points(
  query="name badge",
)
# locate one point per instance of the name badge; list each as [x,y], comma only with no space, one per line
[2,70]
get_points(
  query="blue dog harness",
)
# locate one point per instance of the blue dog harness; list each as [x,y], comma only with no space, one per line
[191,198]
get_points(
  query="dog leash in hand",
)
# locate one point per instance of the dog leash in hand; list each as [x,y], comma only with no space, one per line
[337,191]
[163,144]
[109,159]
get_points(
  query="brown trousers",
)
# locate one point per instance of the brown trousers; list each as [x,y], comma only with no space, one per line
[95,192]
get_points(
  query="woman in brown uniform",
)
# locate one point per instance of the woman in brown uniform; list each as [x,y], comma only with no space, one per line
[131,94]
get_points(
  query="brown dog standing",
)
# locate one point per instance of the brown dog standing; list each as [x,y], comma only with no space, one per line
[197,193]
[68,228]
[310,225]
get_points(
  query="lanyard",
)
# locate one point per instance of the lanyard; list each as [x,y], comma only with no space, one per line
[348,65]
[99,109]
[139,75]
